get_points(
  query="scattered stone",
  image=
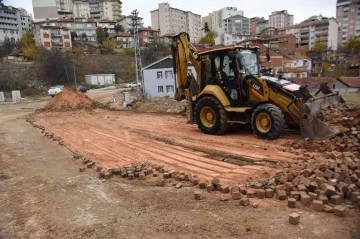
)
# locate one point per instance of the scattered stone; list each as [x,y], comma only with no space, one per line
[166,175]
[236,195]
[225,188]
[260,193]
[269,193]
[335,199]
[107,175]
[244,201]
[234,189]
[202,184]
[215,181]
[210,187]
[294,218]
[340,211]
[155,174]
[98,169]
[281,195]
[131,176]
[330,190]
[291,202]
[328,209]
[160,182]
[305,199]
[82,169]
[295,195]
[142,176]
[224,197]
[243,190]
[313,196]
[324,199]
[255,205]
[197,195]
[178,185]
[318,205]
[89,165]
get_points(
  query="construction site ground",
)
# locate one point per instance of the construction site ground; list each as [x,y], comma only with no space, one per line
[43,194]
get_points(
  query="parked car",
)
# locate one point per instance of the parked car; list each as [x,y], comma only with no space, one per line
[132,84]
[55,90]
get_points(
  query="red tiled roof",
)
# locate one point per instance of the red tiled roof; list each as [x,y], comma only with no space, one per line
[297,57]
[55,27]
[314,82]
[353,82]
[263,50]
[293,70]
[122,34]
[148,30]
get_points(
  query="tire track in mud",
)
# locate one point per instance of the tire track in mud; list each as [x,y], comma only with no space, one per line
[129,149]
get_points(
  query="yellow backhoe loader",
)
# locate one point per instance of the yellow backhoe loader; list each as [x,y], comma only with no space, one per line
[230,88]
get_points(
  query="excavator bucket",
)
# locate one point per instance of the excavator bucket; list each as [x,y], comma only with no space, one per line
[313,128]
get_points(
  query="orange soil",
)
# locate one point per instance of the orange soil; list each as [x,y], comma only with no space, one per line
[114,139]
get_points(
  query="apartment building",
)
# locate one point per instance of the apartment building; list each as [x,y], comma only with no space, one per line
[230,39]
[52,9]
[218,17]
[148,36]
[308,32]
[108,24]
[127,40]
[172,20]
[126,22]
[348,17]
[234,29]
[53,37]
[13,22]
[281,19]
[85,28]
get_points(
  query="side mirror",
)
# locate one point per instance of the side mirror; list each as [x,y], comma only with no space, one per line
[268,57]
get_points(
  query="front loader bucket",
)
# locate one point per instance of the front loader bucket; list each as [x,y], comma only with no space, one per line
[313,128]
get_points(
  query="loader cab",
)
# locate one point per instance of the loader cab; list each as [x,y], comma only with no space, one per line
[231,69]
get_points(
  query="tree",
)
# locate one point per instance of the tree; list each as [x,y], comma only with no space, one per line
[319,46]
[206,27]
[119,28]
[109,44]
[209,38]
[100,35]
[73,36]
[6,47]
[54,65]
[353,45]
[28,45]
[106,31]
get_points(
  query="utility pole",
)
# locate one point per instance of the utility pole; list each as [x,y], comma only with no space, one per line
[139,75]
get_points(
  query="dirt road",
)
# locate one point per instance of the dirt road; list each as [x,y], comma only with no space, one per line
[114,139]
[43,195]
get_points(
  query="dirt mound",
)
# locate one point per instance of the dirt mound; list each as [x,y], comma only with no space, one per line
[70,99]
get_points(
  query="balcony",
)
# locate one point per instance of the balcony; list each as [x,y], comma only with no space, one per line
[304,30]
[95,11]
[116,4]
[322,28]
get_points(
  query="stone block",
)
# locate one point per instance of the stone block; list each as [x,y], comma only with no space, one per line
[197,195]
[294,218]
[324,199]
[215,181]
[210,187]
[202,184]
[318,205]
[301,187]
[295,195]
[260,193]
[225,188]
[328,174]
[269,193]
[142,176]
[281,195]
[329,190]
[328,209]
[235,189]
[335,199]
[292,203]
[313,196]
[178,185]
[82,169]
[305,199]
[244,201]
[250,193]
[340,211]
[236,195]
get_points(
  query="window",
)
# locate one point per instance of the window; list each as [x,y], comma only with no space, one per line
[169,89]
[160,89]
[159,75]
[168,75]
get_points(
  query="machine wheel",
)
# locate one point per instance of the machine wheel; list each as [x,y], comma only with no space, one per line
[268,121]
[211,116]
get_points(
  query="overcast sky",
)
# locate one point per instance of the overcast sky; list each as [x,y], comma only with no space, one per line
[252,8]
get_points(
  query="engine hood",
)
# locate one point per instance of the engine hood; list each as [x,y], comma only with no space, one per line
[285,84]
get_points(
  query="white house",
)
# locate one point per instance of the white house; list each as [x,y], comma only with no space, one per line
[348,84]
[125,38]
[159,79]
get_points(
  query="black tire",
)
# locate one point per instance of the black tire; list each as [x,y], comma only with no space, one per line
[277,121]
[220,123]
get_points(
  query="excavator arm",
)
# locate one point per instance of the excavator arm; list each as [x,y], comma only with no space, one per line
[183,52]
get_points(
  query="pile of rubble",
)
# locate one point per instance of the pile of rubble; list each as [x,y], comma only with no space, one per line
[70,99]
[346,119]
[160,105]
